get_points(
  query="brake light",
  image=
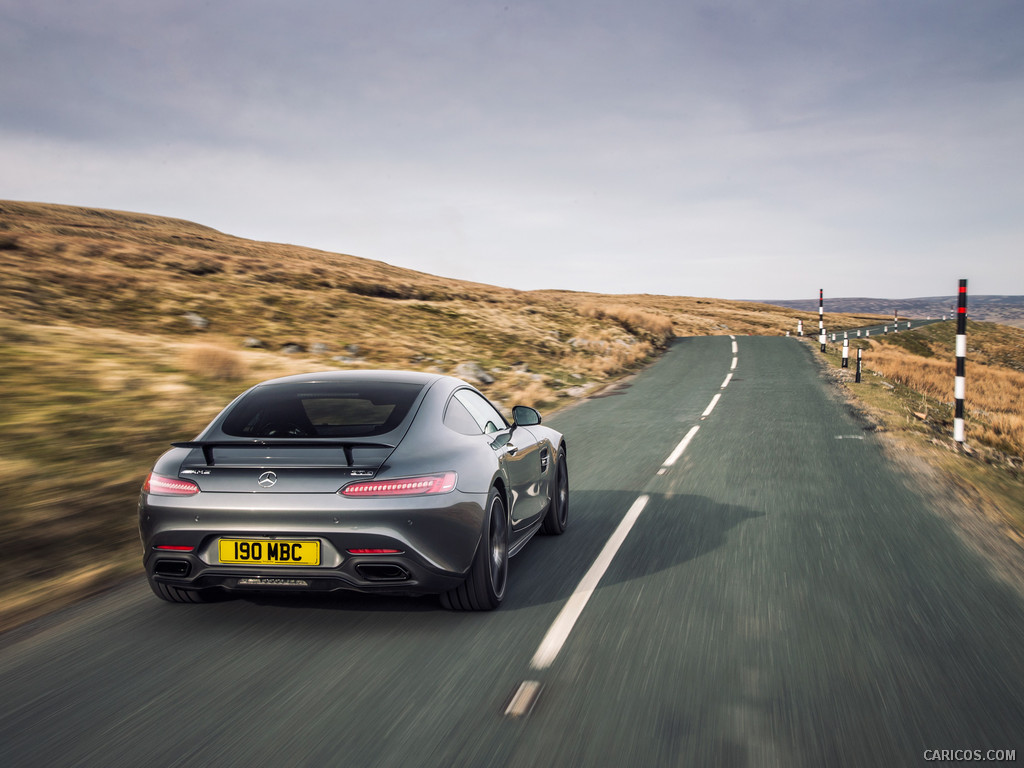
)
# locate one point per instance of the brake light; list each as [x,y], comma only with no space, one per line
[169,486]
[405,486]
[170,548]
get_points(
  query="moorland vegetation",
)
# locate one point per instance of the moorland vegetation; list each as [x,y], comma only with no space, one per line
[120,332]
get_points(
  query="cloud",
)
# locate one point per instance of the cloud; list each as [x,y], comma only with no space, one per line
[736,149]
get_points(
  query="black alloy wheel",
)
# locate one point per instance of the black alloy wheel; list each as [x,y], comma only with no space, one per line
[484,587]
[557,518]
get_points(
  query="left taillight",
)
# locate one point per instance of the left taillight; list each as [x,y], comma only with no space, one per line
[442,482]
[159,485]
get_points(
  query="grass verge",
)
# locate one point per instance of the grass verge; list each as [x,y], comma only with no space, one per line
[979,486]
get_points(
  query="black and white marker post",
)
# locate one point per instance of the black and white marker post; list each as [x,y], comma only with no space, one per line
[959,387]
[821,318]
[821,311]
[846,353]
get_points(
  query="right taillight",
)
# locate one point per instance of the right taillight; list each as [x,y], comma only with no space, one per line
[443,482]
[159,485]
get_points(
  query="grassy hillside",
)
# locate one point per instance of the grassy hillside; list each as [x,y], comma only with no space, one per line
[923,362]
[120,332]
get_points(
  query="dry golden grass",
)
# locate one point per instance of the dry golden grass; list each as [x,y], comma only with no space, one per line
[104,362]
[994,402]
[653,327]
[214,362]
[601,358]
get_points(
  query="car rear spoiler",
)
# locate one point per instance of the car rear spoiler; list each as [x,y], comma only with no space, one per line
[207,446]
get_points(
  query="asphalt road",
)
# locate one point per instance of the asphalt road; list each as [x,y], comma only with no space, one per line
[780,598]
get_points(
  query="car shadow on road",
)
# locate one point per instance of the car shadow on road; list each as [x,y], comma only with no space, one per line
[672,530]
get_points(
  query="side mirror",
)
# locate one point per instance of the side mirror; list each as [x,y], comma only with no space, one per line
[524,416]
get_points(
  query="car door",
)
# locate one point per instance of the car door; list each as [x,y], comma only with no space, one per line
[519,455]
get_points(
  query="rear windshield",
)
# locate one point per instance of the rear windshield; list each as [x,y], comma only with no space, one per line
[321,409]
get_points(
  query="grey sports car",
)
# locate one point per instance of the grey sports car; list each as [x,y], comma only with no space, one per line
[375,481]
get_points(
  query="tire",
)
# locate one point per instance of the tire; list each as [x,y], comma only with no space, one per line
[484,587]
[557,518]
[178,595]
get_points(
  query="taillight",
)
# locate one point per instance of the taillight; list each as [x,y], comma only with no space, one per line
[375,551]
[169,486]
[404,486]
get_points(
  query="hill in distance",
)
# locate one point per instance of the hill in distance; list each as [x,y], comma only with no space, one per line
[1006,310]
[151,275]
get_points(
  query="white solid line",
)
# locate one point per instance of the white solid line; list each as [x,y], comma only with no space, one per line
[524,699]
[726,382]
[674,456]
[559,631]
[733,366]
[711,407]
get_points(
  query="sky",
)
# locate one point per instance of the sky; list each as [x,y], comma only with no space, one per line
[738,149]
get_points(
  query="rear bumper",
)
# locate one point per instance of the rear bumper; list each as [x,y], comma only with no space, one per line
[436,537]
[385,575]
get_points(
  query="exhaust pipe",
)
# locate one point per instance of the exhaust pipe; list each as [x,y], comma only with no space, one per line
[382,572]
[172,567]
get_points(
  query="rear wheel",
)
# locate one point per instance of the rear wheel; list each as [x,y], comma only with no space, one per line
[484,587]
[557,518]
[178,595]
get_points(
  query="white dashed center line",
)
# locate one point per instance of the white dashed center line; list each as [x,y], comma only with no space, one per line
[526,695]
[674,456]
[566,619]
[523,699]
[711,406]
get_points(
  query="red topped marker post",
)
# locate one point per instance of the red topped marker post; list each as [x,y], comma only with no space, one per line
[960,386]
[821,318]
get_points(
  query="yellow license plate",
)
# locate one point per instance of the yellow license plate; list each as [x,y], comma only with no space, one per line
[269,552]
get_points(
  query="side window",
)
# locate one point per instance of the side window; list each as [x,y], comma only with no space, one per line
[486,417]
[461,420]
